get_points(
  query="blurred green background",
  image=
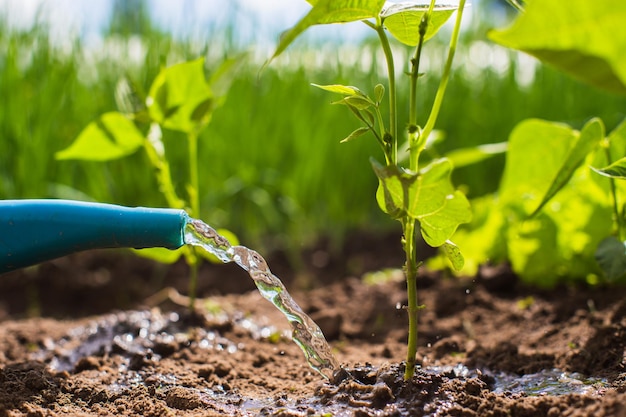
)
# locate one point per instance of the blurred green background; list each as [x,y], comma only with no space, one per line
[272,169]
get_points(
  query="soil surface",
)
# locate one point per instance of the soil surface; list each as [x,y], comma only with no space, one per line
[92,334]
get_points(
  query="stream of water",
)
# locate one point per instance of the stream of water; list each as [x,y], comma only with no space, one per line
[305,332]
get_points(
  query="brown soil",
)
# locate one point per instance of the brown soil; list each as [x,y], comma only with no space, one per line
[101,345]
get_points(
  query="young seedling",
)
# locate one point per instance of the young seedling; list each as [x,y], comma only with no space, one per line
[422,198]
[181,98]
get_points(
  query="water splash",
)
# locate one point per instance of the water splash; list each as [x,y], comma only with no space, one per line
[305,332]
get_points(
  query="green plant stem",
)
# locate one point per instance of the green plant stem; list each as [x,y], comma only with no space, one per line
[408,226]
[391,153]
[434,112]
[194,200]
[194,195]
[414,132]
[618,218]
[163,174]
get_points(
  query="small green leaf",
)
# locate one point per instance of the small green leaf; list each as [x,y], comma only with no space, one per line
[111,136]
[346,90]
[330,11]
[611,257]
[428,197]
[454,255]
[360,103]
[616,170]
[403,20]
[178,97]
[580,37]
[434,202]
[358,132]
[370,116]
[590,136]
[392,194]
[379,92]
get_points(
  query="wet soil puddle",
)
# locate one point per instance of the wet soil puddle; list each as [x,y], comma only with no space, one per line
[145,337]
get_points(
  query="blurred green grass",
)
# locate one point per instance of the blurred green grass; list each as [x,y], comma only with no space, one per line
[272,168]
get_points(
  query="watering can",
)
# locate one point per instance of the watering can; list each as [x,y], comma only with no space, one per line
[33,231]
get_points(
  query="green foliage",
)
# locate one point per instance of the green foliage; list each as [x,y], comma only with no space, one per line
[551,212]
[579,37]
[427,196]
[587,140]
[611,256]
[553,218]
[180,99]
[403,20]
[330,11]
[112,136]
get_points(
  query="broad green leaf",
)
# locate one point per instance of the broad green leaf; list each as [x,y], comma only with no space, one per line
[589,138]
[330,11]
[439,226]
[111,136]
[559,243]
[357,133]
[223,76]
[611,257]
[434,202]
[483,239]
[534,252]
[180,97]
[468,156]
[536,151]
[580,37]
[403,20]
[393,188]
[454,255]
[616,170]
[346,90]
[428,197]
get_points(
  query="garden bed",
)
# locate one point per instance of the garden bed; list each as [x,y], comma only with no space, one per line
[488,346]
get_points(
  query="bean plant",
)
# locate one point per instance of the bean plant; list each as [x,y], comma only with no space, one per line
[181,99]
[554,218]
[419,195]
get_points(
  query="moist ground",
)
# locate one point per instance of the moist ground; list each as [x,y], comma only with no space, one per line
[106,342]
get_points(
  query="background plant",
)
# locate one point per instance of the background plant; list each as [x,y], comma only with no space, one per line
[421,197]
[553,217]
[181,99]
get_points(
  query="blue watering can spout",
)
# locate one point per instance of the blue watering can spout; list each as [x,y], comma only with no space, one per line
[33,231]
